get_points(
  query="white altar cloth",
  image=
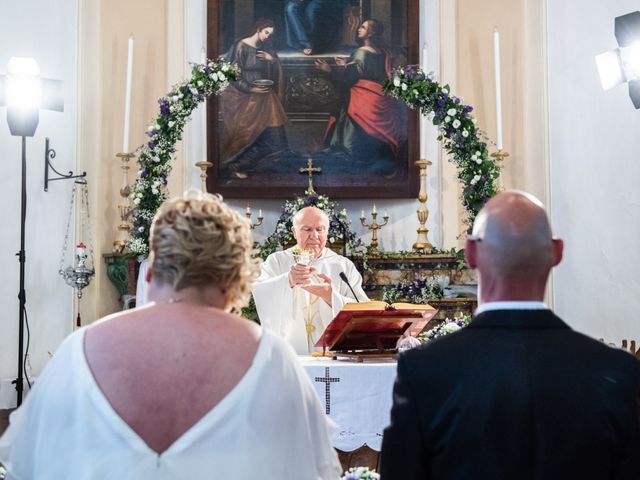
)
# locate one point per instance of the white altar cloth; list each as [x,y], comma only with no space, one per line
[357,396]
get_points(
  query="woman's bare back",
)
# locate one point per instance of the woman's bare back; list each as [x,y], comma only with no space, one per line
[164,367]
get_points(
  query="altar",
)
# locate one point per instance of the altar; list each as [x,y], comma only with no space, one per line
[358,398]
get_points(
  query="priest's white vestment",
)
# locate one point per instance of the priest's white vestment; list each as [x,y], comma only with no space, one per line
[293,313]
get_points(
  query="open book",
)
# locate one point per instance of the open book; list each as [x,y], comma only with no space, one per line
[380,305]
[374,326]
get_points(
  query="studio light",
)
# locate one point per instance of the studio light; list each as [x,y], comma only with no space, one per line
[622,65]
[24,93]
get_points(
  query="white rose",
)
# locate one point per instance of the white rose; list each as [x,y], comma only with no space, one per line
[222,76]
[404,87]
[171,124]
[396,81]
[447,118]
[136,201]
[452,112]
[444,90]
[456,123]
[175,98]
[225,67]
[214,76]
[478,161]
[450,327]
[465,134]
[478,153]
[200,83]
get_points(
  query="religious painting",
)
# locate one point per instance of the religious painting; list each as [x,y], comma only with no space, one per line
[309,101]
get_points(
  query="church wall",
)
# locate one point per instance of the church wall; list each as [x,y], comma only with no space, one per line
[521,26]
[105,48]
[46,31]
[594,146]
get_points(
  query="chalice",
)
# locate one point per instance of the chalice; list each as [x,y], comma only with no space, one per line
[304,256]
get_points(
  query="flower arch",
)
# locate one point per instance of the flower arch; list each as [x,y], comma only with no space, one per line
[154,158]
[460,137]
[458,133]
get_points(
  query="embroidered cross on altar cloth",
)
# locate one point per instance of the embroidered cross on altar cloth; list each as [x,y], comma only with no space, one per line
[357,397]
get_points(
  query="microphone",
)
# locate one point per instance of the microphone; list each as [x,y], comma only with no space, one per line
[344,278]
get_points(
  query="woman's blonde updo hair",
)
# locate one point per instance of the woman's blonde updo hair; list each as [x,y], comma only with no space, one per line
[197,240]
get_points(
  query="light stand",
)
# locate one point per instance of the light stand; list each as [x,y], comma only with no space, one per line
[23,94]
[22,259]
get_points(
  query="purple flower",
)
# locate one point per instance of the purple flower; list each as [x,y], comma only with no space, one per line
[152,145]
[457,101]
[144,173]
[164,107]
[467,109]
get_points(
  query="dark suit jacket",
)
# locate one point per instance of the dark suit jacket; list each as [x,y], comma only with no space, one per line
[515,395]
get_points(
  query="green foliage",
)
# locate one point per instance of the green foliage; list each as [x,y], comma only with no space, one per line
[154,158]
[459,136]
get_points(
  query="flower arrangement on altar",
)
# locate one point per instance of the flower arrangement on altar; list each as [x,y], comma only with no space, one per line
[339,225]
[360,473]
[154,158]
[450,325]
[419,291]
[458,132]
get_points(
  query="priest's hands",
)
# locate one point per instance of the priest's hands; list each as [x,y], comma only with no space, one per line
[300,275]
[322,290]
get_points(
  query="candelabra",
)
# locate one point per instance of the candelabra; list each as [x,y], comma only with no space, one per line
[500,155]
[204,165]
[422,243]
[248,215]
[374,226]
[122,231]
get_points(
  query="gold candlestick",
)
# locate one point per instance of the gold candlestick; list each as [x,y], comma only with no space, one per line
[204,165]
[122,230]
[248,215]
[500,155]
[422,243]
[374,226]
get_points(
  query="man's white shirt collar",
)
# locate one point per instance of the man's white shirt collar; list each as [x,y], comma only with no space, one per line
[511,305]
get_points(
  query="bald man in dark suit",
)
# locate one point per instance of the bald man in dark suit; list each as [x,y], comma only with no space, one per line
[517,394]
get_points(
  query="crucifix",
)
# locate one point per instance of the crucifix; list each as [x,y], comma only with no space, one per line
[327,380]
[310,170]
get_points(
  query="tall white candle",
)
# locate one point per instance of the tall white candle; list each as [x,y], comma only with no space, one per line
[203,60]
[496,65]
[127,98]
[423,120]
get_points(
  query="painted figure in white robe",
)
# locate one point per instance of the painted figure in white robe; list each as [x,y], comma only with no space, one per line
[299,301]
[180,388]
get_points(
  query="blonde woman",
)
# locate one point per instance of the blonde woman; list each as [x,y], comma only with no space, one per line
[180,388]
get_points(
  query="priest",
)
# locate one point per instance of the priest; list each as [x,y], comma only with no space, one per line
[298,301]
